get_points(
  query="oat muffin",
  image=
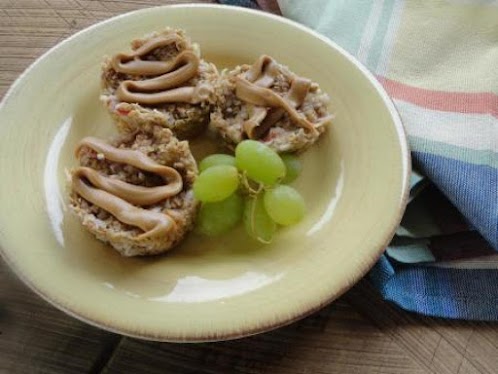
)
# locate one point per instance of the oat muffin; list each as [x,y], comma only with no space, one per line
[135,193]
[269,103]
[162,82]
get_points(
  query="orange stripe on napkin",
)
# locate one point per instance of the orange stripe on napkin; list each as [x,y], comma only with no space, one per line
[459,102]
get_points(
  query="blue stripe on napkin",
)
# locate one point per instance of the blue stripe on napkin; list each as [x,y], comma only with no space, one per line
[452,293]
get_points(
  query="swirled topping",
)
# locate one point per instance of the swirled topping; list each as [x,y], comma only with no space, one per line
[131,63]
[263,72]
[252,88]
[122,199]
[168,77]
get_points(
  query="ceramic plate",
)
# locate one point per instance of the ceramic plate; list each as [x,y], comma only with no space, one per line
[354,182]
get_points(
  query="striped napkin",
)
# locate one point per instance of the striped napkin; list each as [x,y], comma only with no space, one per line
[438,60]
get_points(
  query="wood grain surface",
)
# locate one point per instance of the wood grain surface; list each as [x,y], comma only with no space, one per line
[359,333]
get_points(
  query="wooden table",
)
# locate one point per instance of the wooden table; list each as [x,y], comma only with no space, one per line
[357,334]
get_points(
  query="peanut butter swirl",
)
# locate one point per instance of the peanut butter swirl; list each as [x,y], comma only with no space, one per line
[253,89]
[131,63]
[120,198]
[263,72]
[168,76]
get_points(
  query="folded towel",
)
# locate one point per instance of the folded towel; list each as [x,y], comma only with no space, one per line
[438,60]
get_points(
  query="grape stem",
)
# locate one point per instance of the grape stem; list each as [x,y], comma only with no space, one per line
[253,224]
[252,192]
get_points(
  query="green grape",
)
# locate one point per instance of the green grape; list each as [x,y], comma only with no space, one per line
[219,217]
[261,163]
[292,166]
[284,205]
[257,222]
[215,160]
[216,183]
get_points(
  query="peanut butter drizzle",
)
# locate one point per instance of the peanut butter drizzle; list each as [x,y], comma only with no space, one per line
[132,64]
[259,123]
[153,224]
[137,195]
[255,122]
[183,67]
[117,197]
[263,72]
[253,89]
[166,87]
[191,95]
[260,96]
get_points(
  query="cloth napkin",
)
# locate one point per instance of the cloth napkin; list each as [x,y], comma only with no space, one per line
[438,60]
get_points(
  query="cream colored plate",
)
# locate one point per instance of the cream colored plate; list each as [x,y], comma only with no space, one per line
[354,183]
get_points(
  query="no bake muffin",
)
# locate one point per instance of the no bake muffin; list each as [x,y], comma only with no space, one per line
[162,82]
[269,103]
[135,193]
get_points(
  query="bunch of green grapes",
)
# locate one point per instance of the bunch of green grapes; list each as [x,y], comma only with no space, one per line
[250,186]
